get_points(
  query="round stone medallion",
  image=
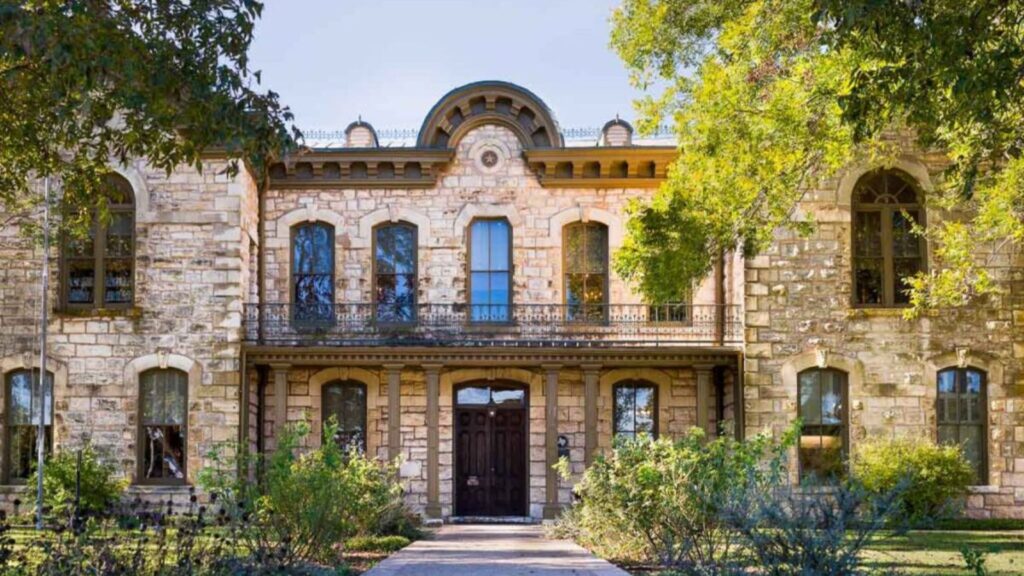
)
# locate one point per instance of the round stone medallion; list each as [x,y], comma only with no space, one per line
[489,158]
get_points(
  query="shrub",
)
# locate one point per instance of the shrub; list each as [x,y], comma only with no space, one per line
[386,544]
[936,477]
[100,487]
[660,500]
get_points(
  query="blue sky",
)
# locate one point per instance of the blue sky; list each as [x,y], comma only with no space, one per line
[391,60]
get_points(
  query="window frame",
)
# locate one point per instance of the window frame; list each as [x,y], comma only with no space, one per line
[604,305]
[634,384]
[140,452]
[844,432]
[99,250]
[510,272]
[9,428]
[415,273]
[366,408]
[961,373]
[886,212]
[292,276]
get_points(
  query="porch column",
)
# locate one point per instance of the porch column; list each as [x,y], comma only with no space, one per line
[280,398]
[433,376]
[704,398]
[591,375]
[394,372]
[551,507]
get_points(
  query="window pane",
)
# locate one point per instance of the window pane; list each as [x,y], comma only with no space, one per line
[164,452]
[597,249]
[644,400]
[971,439]
[867,238]
[119,235]
[903,269]
[479,247]
[118,283]
[625,410]
[396,250]
[905,244]
[81,281]
[163,394]
[499,248]
[508,396]
[572,248]
[82,247]
[831,398]
[313,250]
[473,396]
[810,398]
[346,403]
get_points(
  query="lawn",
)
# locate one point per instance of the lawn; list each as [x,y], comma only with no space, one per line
[938,553]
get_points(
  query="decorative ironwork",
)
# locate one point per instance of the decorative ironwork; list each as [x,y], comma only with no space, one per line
[408,136]
[525,325]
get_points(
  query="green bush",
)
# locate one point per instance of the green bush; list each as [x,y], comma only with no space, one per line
[658,501]
[100,489]
[384,544]
[934,478]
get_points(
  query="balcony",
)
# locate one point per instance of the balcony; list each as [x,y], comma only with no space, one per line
[518,325]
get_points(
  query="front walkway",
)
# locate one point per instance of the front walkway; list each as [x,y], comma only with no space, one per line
[493,550]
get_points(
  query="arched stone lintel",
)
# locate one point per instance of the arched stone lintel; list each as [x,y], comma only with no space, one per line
[657,377]
[471,212]
[309,213]
[393,213]
[138,365]
[579,213]
[907,163]
[135,177]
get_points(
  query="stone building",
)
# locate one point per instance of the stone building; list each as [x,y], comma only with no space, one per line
[450,302]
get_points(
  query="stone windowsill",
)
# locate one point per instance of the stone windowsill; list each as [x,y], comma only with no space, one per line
[984,489]
[133,313]
[884,313]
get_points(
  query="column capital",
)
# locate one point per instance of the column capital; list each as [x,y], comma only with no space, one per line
[393,367]
[432,366]
[551,367]
[590,367]
[282,367]
[705,367]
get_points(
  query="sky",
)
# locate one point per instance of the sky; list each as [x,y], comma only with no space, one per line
[391,60]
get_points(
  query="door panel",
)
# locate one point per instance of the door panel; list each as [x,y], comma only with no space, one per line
[490,457]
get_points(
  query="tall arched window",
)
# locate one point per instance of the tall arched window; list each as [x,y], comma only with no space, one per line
[585,265]
[636,409]
[886,208]
[823,409]
[98,270]
[313,273]
[490,270]
[394,272]
[960,415]
[345,401]
[24,408]
[163,421]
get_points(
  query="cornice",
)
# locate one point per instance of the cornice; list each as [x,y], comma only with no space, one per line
[360,168]
[621,357]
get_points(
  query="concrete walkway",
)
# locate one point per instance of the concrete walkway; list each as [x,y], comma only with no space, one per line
[493,550]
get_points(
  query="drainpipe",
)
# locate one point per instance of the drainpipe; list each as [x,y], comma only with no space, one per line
[720,298]
[261,260]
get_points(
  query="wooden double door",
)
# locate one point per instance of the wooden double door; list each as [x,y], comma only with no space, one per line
[490,451]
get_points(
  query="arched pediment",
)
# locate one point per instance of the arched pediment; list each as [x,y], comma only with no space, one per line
[490,102]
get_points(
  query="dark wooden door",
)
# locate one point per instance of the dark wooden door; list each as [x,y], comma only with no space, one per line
[490,452]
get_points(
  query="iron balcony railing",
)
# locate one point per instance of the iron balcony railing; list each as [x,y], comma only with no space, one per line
[533,325]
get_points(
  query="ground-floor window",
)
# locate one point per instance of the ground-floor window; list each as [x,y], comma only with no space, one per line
[960,415]
[636,409]
[163,398]
[823,411]
[346,403]
[25,407]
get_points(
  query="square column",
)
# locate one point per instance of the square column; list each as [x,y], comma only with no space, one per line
[551,506]
[280,397]
[394,372]
[704,386]
[591,380]
[433,377]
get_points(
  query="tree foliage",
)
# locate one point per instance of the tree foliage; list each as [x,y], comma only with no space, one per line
[770,97]
[90,83]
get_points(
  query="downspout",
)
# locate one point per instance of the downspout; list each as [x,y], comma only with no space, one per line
[718,379]
[720,298]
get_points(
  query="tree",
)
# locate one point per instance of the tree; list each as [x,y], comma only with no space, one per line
[769,97]
[91,82]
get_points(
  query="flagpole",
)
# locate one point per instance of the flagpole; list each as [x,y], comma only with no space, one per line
[41,430]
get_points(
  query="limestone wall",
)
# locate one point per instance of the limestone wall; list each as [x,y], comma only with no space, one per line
[192,254]
[798,305]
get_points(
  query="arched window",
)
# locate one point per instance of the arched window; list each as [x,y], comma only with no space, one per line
[636,409]
[885,249]
[490,270]
[585,265]
[823,411]
[394,272]
[24,408]
[960,415]
[313,273]
[98,270]
[345,401]
[163,421]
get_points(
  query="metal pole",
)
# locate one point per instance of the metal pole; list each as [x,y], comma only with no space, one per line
[41,430]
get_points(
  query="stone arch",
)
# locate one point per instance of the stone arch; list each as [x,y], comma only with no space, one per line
[911,165]
[372,382]
[531,380]
[139,189]
[490,102]
[659,378]
[471,212]
[392,213]
[993,370]
[308,213]
[579,213]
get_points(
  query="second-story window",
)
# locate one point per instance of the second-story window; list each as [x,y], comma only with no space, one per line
[885,248]
[313,273]
[585,261]
[490,270]
[394,272]
[98,270]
